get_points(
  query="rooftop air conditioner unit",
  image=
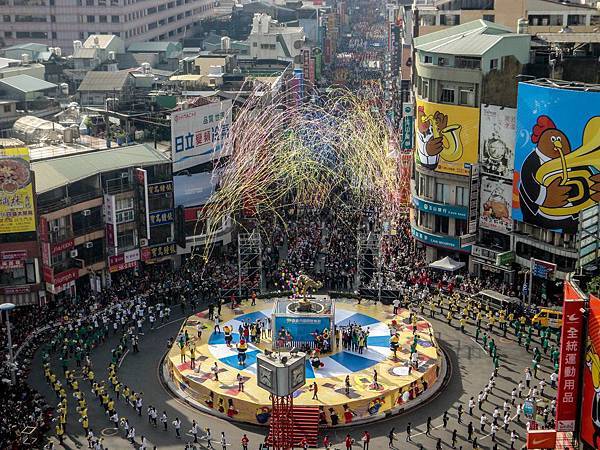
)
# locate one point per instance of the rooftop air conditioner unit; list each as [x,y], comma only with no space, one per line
[125,175]
[143,242]
[73,253]
[86,212]
[89,244]
[55,229]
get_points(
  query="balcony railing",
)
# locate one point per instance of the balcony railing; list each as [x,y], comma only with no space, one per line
[46,207]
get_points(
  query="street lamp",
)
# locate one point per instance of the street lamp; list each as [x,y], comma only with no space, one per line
[9,307]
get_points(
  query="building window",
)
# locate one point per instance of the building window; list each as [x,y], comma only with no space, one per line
[428,20]
[6,18]
[442,193]
[460,227]
[24,18]
[575,19]
[126,239]
[546,20]
[7,108]
[450,20]
[594,21]
[464,62]
[125,216]
[103,19]
[427,59]
[114,19]
[462,196]
[447,95]
[442,61]
[8,34]
[467,97]
[91,19]
[54,35]
[441,224]
[493,64]
[89,2]
[489,18]
[425,89]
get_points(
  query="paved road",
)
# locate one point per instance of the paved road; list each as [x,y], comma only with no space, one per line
[471,369]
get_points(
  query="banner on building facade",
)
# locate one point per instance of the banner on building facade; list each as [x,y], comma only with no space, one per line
[590,404]
[570,361]
[447,137]
[17,203]
[495,211]
[197,134]
[497,140]
[557,151]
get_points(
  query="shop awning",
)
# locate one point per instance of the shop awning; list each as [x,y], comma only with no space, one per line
[447,264]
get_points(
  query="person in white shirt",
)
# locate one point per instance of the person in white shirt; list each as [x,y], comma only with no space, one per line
[177,426]
[144,443]
[164,419]
[194,431]
[482,422]
[224,443]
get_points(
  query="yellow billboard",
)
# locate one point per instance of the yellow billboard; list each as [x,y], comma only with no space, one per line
[17,212]
[447,137]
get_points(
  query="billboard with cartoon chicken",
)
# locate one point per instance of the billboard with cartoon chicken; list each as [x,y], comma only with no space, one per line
[447,137]
[590,405]
[557,156]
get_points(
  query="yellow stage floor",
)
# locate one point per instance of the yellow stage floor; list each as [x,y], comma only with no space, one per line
[364,399]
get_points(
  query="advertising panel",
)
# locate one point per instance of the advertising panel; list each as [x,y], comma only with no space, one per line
[590,404]
[497,140]
[557,156]
[495,207]
[161,217]
[302,328]
[447,137]
[438,240]
[570,364]
[194,189]
[197,133]
[110,219]
[408,120]
[458,212]
[541,439]
[160,188]
[17,214]
[141,192]
[124,261]
[158,251]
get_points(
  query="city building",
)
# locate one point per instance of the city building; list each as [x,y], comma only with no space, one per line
[97,87]
[269,39]
[60,22]
[541,16]
[102,212]
[458,72]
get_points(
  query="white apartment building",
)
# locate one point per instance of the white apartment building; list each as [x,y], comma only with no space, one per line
[271,40]
[60,22]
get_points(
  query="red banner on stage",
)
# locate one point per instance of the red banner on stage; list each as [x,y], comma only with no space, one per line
[590,403]
[570,360]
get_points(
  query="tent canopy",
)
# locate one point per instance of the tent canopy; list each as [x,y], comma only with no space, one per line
[447,264]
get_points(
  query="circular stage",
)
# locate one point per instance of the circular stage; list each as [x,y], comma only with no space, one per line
[398,386]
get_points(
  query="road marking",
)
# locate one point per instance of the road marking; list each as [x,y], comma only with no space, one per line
[169,323]
[123,358]
[109,431]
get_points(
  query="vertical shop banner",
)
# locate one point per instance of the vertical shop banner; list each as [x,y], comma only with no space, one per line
[17,214]
[590,403]
[110,219]
[447,137]
[495,211]
[408,125]
[570,362]
[497,141]
[143,210]
[557,154]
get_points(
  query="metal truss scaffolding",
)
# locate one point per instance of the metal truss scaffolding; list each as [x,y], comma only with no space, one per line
[368,259]
[250,274]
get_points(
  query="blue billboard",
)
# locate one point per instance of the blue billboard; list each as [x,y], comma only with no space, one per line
[302,328]
[557,155]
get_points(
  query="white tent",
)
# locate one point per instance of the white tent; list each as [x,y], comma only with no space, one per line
[447,264]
